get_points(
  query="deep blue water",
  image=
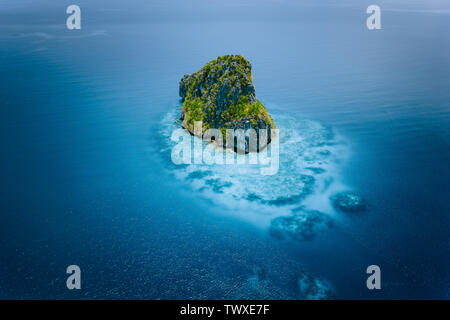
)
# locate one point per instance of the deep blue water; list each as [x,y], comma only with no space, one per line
[87,178]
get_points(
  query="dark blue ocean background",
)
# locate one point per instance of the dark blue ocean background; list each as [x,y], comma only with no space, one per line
[86,176]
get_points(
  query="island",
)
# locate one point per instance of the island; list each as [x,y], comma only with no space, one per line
[222,96]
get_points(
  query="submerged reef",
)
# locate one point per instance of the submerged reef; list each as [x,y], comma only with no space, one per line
[301,225]
[258,286]
[222,96]
[263,284]
[314,288]
[348,202]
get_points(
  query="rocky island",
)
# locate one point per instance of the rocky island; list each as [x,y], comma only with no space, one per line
[222,96]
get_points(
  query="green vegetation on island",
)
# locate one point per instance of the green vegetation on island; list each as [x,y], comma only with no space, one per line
[222,96]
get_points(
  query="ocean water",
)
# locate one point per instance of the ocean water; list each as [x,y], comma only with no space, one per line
[87,176]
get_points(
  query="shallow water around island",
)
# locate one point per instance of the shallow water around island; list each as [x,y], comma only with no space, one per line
[88,180]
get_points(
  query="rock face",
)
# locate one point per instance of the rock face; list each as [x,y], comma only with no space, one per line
[222,96]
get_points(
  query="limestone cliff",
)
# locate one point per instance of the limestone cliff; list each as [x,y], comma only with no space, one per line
[222,96]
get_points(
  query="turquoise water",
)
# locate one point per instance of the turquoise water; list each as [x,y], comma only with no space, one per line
[87,178]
